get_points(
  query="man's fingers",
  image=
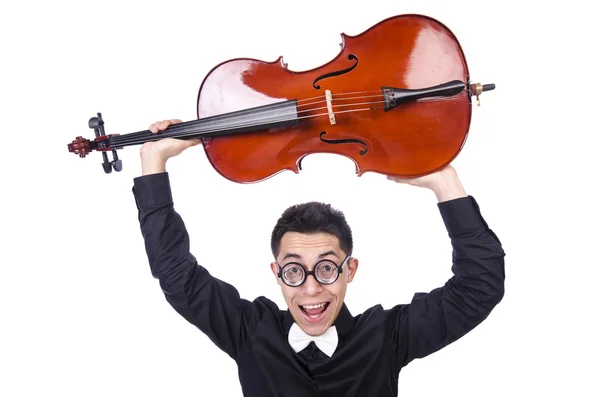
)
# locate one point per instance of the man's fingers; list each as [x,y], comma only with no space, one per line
[157,126]
[162,125]
[165,123]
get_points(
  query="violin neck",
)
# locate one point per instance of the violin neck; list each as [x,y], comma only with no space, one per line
[277,115]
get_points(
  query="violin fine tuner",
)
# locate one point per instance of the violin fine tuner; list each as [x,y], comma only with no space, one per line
[477,89]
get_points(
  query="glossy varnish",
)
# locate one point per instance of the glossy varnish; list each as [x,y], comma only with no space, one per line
[413,138]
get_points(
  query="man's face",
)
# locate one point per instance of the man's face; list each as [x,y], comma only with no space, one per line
[308,250]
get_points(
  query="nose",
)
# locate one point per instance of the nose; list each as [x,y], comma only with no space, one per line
[311,286]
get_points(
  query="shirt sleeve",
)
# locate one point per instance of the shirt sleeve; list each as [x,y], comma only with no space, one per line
[210,304]
[435,319]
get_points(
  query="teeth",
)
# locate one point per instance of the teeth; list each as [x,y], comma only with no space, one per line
[314,306]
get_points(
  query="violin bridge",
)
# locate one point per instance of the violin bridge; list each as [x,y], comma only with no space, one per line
[329,107]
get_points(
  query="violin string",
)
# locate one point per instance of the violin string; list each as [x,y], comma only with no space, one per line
[339,106]
[176,132]
[226,117]
[182,129]
[191,126]
[216,130]
[171,133]
[192,134]
[242,114]
[338,95]
[344,99]
[148,136]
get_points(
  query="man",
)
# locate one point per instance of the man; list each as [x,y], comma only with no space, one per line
[358,355]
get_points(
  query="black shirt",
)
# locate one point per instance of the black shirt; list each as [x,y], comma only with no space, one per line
[373,346]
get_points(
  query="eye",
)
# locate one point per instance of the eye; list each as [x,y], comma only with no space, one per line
[293,270]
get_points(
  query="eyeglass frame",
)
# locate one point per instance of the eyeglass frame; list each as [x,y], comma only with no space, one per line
[312,272]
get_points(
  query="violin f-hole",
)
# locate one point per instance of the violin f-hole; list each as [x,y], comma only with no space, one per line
[338,72]
[344,141]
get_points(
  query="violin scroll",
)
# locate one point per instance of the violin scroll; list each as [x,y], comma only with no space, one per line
[81,146]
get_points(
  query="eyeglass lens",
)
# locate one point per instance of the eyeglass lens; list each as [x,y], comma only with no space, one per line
[325,271]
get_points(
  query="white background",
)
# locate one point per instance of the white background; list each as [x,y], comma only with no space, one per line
[82,316]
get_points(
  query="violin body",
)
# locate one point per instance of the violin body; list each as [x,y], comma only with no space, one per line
[410,140]
[396,100]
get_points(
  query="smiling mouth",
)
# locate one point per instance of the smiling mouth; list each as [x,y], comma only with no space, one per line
[314,312]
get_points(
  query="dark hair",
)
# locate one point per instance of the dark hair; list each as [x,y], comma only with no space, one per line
[312,217]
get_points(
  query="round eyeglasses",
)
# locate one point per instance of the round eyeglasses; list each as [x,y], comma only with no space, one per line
[325,272]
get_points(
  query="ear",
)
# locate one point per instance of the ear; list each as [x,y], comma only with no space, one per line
[275,270]
[352,267]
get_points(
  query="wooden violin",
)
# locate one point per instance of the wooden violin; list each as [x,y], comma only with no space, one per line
[396,100]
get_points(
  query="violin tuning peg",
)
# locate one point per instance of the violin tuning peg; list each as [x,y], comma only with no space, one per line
[107,167]
[106,164]
[117,165]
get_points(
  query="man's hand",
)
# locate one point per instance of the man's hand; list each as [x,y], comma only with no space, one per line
[444,183]
[155,154]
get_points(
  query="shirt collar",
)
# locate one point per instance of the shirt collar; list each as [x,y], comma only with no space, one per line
[343,323]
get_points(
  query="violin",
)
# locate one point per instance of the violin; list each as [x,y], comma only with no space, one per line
[396,100]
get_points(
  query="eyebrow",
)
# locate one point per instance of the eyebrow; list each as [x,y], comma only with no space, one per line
[324,254]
